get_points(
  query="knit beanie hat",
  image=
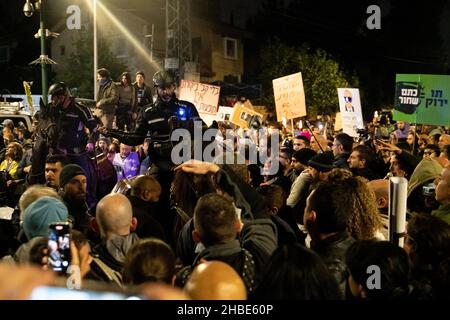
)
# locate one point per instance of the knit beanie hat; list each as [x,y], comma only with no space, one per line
[68,172]
[38,215]
[304,155]
[322,162]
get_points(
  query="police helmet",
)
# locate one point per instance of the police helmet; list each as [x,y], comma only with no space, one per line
[163,79]
[58,89]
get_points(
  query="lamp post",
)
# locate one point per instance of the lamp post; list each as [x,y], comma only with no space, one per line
[43,60]
[95,50]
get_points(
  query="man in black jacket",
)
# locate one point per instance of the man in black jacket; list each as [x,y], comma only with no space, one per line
[217,225]
[73,187]
[145,193]
[71,120]
[143,92]
[116,223]
[342,146]
[157,121]
[360,162]
[325,218]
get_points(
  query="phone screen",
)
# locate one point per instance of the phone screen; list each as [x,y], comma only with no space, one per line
[59,246]
[57,293]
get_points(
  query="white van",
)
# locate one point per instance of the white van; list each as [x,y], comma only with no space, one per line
[16,112]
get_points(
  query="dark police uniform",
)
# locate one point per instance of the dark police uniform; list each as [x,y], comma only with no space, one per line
[154,123]
[71,122]
[72,138]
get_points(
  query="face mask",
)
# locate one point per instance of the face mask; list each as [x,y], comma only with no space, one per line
[104,81]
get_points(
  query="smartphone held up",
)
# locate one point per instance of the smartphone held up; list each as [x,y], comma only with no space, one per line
[59,246]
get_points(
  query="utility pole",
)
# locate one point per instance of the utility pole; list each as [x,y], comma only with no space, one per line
[95,50]
[151,37]
[178,34]
[43,54]
[151,42]
[43,60]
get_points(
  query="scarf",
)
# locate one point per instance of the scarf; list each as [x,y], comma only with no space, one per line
[118,246]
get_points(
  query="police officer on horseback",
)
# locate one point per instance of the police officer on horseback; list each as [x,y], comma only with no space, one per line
[71,119]
[157,121]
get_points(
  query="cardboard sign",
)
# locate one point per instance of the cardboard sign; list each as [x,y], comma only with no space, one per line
[205,97]
[350,107]
[422,99]
[289,97]
[223,114]
[243,113]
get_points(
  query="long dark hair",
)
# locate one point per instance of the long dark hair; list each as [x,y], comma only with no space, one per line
[392,262]
[429,238]
[296,272]
[149,260]
[188,188]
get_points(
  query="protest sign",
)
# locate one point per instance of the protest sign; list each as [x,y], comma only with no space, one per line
[289,96]
[205,97]
[350,107]
[422,99]
[243,114]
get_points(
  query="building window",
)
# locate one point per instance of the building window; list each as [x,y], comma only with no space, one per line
[62,50]
[230,48]
[4,54]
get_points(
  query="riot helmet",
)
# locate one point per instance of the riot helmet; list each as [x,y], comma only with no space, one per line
[163,79]
[58,89]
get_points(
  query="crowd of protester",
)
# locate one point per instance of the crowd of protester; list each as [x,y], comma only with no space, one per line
[309,231]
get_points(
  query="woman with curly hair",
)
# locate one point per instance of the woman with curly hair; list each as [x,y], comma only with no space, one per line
[364,221]
[13,156]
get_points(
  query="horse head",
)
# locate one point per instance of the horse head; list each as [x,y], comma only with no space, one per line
[46,143]
[47,131]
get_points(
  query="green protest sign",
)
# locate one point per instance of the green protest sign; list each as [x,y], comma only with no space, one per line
[422,99]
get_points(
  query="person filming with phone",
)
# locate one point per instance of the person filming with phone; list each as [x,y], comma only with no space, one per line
[36,219]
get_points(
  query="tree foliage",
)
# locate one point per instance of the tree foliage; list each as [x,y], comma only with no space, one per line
[78,73]
[321,74]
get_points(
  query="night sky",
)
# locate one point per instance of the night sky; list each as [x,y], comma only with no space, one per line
[414,37]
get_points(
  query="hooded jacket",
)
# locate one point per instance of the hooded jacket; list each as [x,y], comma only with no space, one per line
[426,171]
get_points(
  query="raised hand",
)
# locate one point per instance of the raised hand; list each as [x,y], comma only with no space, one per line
[198,167]
[386,146]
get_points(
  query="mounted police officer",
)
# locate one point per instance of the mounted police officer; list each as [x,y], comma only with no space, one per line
[71,119]
[157,121]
